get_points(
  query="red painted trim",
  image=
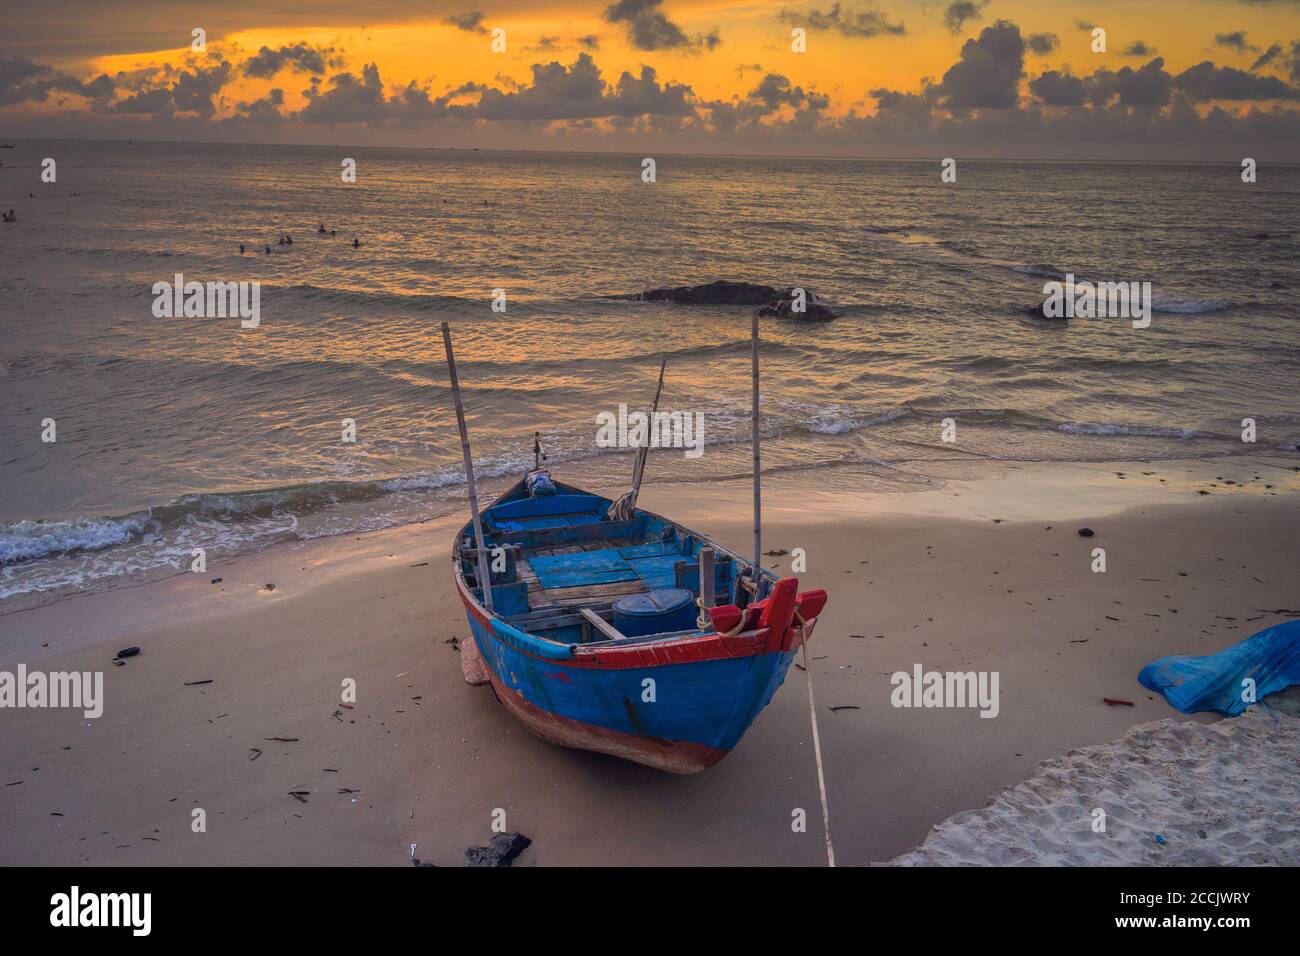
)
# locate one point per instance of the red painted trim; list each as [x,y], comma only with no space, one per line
[779,612]
[680,650]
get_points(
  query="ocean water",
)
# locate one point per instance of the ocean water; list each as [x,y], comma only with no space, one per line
[177,433]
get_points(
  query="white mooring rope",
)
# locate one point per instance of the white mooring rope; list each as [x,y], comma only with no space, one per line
[817,747]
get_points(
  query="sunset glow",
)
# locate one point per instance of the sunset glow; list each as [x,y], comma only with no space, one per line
[898,78]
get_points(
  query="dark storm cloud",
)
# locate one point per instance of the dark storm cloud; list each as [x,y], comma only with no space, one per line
[1152,86]
[775,91]
[1268,56]
[863,22]
[22,81]
[648,27]
[1205,81]
[1235,41]
[174,90]
[984,102]
[987,75]
[1277,56]
[265,110]
[1055,88]
[349,98]
[1139,48]
[578,91]
[958,12]
[1147,86]
[471,22]
[761,109]
[1042,44]
[904,108]
[301,56]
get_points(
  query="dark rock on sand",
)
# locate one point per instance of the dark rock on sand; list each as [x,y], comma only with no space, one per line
[501,850]
[1086,532]
[127,652]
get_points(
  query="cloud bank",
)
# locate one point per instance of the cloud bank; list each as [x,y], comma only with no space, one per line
[987,102]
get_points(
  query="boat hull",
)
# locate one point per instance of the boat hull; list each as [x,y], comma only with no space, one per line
[679,717]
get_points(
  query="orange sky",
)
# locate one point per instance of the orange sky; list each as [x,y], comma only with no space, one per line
[152,84]
[425,47]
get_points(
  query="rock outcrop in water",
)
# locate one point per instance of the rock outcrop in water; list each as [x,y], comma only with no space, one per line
[814,309]
[711,293]
[770,300]
[1038,312]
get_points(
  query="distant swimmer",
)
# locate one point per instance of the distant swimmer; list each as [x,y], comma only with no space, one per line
[356,243]
[322,228]
[333,233]
[268,250]
[10,217]
[288,240]
[282,240]
[241,248]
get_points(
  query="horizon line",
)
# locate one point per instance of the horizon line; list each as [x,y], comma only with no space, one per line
[628,152]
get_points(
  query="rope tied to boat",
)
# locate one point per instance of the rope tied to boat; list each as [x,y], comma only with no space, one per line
[800,623]
[705,621]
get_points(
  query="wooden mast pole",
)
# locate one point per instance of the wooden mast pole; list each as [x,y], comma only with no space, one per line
[484,577]
[758,501]
[643,452]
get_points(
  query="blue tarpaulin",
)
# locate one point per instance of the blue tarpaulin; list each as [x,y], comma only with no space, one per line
[1215,682]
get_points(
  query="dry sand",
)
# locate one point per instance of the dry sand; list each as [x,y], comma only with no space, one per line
[1167,793]
[985,573]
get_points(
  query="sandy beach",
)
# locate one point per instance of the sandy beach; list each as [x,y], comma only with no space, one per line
[1167,793]
[985,573]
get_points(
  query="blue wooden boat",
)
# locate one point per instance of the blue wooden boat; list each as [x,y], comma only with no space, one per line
[603,633]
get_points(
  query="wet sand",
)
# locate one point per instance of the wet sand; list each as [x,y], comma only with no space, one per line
[987,573]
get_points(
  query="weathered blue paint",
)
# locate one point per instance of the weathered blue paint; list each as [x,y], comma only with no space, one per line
[584,568]
[711,703]
[609,565]
[523,641]
[676,701]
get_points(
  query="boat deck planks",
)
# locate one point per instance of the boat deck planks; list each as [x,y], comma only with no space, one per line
[541,597]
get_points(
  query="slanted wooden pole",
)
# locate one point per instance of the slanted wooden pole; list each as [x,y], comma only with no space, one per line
[758,492]
[484,577]
[708,578]
[638,467]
